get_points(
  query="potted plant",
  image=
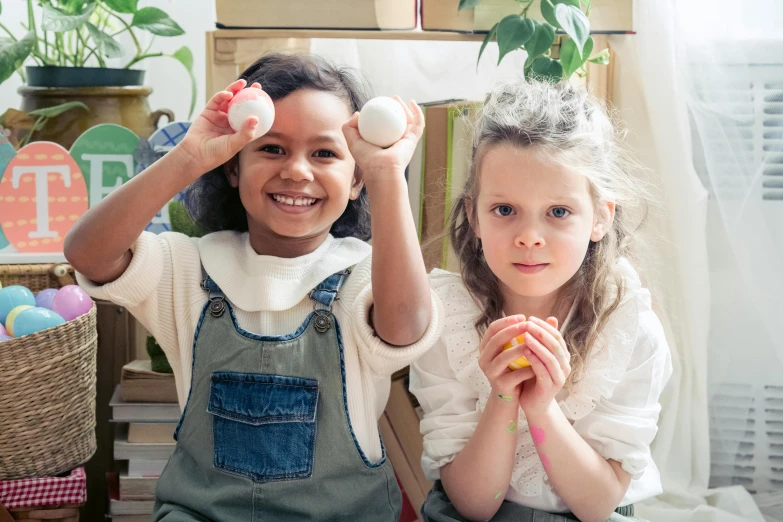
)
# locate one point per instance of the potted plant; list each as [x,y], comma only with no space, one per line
[62,59]
[536,38]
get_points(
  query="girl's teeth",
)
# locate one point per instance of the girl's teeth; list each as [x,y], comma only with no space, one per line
[297,202]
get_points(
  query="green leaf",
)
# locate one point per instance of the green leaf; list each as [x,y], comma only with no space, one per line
[570,58]
[513,32]
[59,22]
[12,56]
[601,58]
[56,110]
[107,45]
[548,9]
[487,39]
[185,57]
[468,4]
[541,42]
[5,41]
[123,6]
[156,21]
[574,23]
[547,69]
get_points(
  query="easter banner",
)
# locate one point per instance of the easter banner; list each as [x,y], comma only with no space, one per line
[45,188]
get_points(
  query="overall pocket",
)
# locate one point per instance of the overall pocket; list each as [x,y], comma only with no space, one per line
[263,425]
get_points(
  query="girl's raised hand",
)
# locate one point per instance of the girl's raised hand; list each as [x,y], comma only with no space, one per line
[210,140]
[547,352]
[494,361]
[377,163]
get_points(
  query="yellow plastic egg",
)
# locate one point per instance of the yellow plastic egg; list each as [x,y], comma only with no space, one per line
[521,362]
[9,321]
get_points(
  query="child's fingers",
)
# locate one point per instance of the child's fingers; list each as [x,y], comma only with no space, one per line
[495,344]
[512,379]
[218,100]
[257,85]
[237,86]
[408,113]
[418,114]
[548,359]
[500,363]
[244,136]
[551,339]
[351,130]
[498,325]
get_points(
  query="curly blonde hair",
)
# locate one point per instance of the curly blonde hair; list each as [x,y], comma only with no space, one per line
[574,129]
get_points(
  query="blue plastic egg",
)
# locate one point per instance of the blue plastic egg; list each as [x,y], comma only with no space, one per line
[13,296]
[34,320]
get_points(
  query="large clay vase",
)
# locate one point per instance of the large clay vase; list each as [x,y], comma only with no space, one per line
[126,106]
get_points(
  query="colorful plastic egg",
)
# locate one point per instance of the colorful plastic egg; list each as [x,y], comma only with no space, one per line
[71,302]
[521,362]
[251,101]
[5,338]
[35,320]
[44,298]
[12,315]
[13,296]
[3,331]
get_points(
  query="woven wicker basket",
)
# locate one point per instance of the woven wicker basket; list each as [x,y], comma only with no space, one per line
[47,387]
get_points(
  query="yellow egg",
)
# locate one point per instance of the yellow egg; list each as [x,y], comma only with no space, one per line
[522,362]
[9,321]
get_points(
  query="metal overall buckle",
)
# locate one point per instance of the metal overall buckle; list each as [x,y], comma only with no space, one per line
[323,317]
[217,304]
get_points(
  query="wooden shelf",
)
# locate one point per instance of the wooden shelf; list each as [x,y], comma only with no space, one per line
[358,34]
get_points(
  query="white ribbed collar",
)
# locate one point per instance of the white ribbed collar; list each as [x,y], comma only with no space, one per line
[257,283]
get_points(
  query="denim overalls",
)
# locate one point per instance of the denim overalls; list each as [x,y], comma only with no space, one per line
[265,434]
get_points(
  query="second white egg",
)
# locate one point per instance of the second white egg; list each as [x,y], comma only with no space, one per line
[382,121]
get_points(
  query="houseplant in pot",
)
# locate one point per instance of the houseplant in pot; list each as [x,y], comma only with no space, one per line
[545,59]
[63,58]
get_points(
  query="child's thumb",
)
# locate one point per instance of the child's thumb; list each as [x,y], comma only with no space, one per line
[245,135]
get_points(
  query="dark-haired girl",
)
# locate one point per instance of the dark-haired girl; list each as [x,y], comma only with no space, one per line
[281,328]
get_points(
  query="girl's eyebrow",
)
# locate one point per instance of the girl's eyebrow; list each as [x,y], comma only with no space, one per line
[328,137]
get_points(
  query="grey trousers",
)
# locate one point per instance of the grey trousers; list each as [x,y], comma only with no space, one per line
[438,508]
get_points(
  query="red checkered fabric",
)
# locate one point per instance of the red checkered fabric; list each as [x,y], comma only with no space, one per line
[46,491]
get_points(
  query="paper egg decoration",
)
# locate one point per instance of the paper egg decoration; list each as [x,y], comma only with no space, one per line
[382,121]
[12,315]
[6,153]
[35,320]
[71,302]
[13,296]
[43,193]
[104,154]
[251,101]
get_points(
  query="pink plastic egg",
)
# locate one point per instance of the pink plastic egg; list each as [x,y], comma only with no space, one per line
[71,302]
[3,331]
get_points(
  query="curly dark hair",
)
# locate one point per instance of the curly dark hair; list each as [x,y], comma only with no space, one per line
[211,200]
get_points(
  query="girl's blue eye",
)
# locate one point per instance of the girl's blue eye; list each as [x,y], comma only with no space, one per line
[503,210]
[560,212]
[325,154]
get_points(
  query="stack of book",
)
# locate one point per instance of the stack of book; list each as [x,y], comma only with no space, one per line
[145,412]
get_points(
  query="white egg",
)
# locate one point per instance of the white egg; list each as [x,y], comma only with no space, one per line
[382,121]
[260,108]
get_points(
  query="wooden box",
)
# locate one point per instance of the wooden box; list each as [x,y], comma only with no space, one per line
[607,16]
[316,14]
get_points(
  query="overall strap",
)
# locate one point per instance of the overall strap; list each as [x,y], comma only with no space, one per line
[326,293]
[217,299]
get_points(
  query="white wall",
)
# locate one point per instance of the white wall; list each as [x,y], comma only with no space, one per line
[424,71]
[167,77]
